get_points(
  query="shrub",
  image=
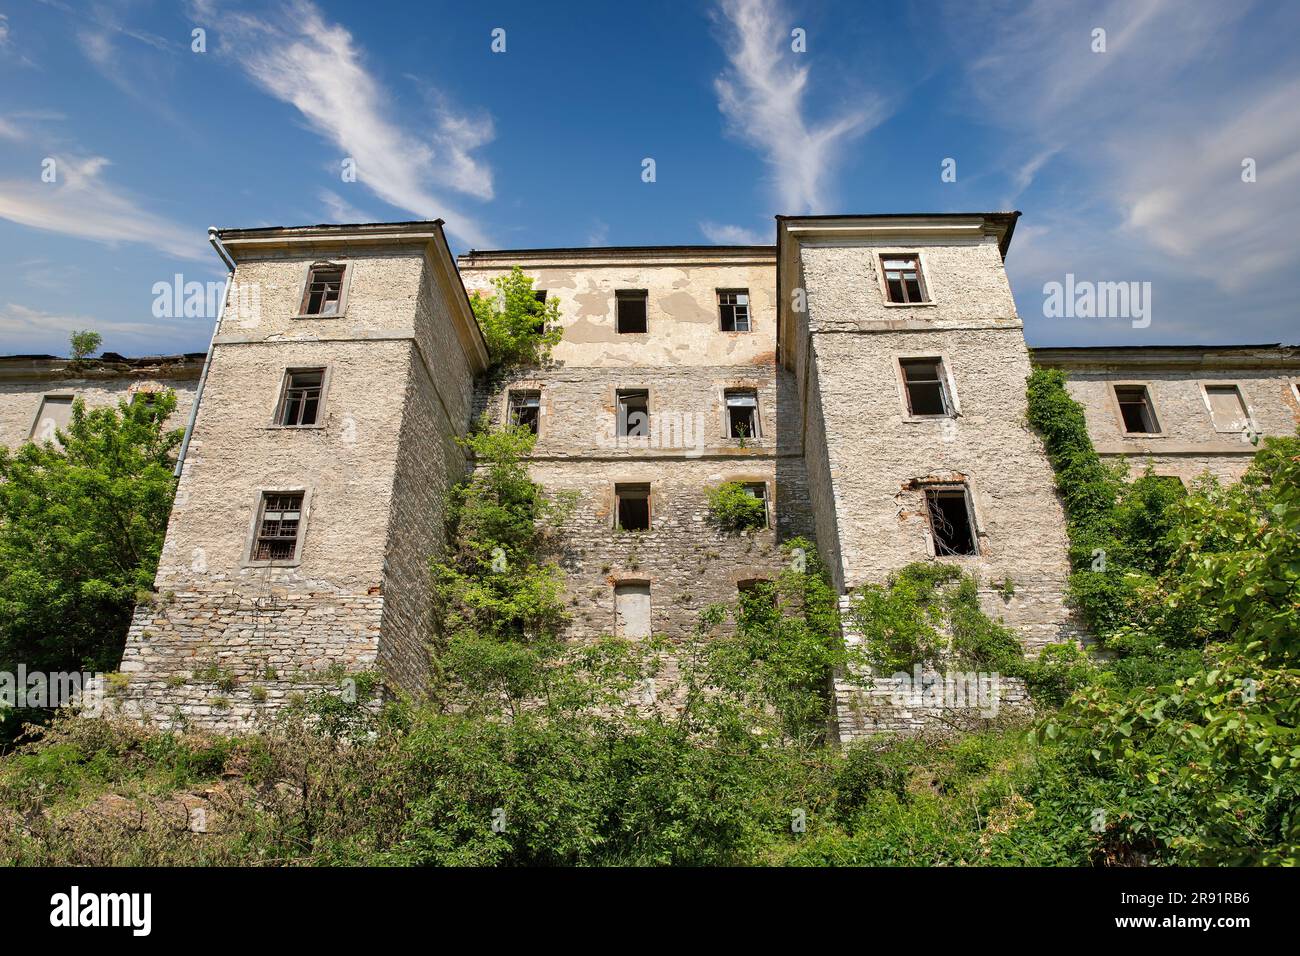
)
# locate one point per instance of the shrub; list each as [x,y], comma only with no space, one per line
[733,508]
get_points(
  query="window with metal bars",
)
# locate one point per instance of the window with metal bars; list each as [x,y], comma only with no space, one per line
[278,525]
[733,305]
[302,397]
[324,292]
[903,278]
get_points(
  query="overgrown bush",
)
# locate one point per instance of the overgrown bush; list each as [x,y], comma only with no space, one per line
[732,507]
[518,329]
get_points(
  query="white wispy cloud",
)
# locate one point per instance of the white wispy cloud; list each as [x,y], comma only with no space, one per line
[25,329]
[316,66]
[762,96]
[340,210]
[82,202]
[724,234]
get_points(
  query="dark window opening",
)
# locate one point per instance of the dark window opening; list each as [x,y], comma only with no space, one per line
[950,521]
[903,278]
[758,489]
[277,527]
[633,507]
[756,595]
[1135,408]
[631,305]
[926,394]
[302,393]
[733,304]
[742,414]
[526,410]
[324,292]
[539,320]
[634,413]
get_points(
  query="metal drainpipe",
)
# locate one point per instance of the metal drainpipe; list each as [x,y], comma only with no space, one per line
[207,359]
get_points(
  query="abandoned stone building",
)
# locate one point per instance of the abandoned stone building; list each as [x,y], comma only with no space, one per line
[864,377]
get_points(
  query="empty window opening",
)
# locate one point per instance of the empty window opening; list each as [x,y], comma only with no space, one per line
[926,392]
[55,413]
[634,413]
[733,304]
[1135,408]
[631,305]
[302,394]
[324,292]
[1227,408]
[633,512]
[742,413]
[539,320]
[758,489]
[278,527]
[951,524]
[903,278]
[526,410]
[632,609]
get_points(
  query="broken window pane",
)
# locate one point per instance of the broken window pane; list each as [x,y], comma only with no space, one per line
[926,394]
[634,413]
[302,393]
[742,414]
[324,290]
[278,525]
[631,305]
[734,306]
[526,410]
[633,502]
[951,524]
[1135,408]
[903,278]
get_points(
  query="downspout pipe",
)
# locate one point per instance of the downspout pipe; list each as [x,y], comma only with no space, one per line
[207,360]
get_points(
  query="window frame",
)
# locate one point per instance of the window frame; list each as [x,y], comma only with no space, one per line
[637,582]
[644,296]
[345,281]
[616,524]
[726,413]
[1249,423]
[922,276]
[947,386]
[40,407]
[620,419]
[766,499]
[510,406]
[285,377]
[255,523]
[1158,431]
[977,530]
[749,311]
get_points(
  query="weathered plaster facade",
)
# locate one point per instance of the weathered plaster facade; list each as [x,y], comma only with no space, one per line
[841,452]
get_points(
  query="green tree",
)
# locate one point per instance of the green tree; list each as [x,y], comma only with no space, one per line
[81,528]
[733,507]
[84,344]
[518,328]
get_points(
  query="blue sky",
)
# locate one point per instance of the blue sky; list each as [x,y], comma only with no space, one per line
[1127,162]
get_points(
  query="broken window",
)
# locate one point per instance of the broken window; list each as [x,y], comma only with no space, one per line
[633,413]
[55,412]
[1227,408]
[733,304]
[631,304]
[324,292]
[742,413]
[539,321]
[926,393]
[903,278]
[526,410]
[302,394]
[633,507]
[1135,408]
[758,489]
[951,523]
[278,526]
[632,609]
